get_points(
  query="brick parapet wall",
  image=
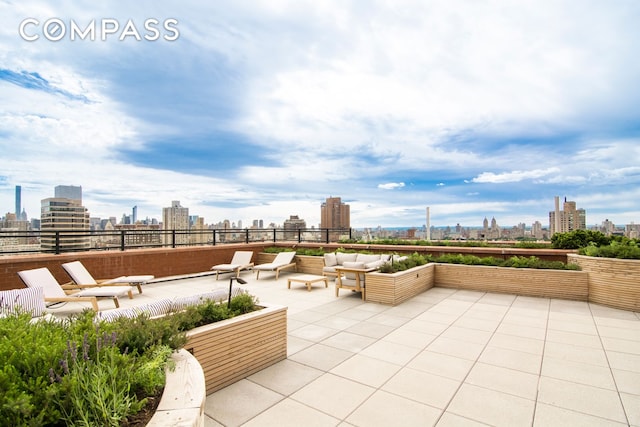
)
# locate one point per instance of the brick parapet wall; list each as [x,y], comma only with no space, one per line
[161,262]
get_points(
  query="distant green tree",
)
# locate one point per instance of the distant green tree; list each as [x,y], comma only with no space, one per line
[579,239]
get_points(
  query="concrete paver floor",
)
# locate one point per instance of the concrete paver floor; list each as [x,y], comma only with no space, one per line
[445,358]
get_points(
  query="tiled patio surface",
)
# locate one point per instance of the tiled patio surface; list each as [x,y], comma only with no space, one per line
[444,358]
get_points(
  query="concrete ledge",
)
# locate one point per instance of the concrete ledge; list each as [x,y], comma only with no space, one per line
[183,400]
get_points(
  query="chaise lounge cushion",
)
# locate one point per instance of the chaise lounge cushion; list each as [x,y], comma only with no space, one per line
[28,300]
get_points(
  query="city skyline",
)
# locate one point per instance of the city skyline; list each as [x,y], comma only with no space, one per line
[262,110]
[340,212]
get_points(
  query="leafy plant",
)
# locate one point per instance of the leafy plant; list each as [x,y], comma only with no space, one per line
[83,372]
[578,239]
[624,249]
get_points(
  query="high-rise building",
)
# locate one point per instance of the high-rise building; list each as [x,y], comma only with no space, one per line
[292,225]
[59,214]
[72,192]
[175,218]
[568,219]
[18,201]
[134,215]
[536,230]
[335,214]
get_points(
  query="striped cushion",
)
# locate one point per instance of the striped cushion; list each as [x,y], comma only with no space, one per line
[111,315]
[30,300]
[157,308]
[217,295]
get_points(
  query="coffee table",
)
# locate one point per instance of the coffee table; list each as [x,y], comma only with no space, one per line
[307,279]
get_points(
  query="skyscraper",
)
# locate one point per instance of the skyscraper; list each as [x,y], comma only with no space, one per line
[335,214]
[175,218]
[568,219]
[60,214]
[18,201]
[72,192]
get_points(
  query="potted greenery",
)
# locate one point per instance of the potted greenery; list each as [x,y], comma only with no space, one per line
[612,264]
[86,371]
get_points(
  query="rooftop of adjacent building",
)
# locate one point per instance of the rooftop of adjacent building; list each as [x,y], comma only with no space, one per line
[446,357]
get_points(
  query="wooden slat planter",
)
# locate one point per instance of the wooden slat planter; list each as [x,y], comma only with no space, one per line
[309,264]
[397,287]
[564,284]
[612,282]
[236,348]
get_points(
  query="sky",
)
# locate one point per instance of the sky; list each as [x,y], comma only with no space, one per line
[262,109]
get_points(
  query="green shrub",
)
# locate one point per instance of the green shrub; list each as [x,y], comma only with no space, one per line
[624,249]
[412,260]
[82,372]
[578,239]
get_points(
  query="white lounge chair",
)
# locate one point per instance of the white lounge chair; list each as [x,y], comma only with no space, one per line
[54,293]
[282,261]
[81,276]
[241,261]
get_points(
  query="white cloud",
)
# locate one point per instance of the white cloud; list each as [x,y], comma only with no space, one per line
[391,185]
[513,176]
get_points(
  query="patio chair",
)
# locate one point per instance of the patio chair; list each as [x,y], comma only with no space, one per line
[241,261]
[55,293]
[282,261]
[352,276]
[81,276]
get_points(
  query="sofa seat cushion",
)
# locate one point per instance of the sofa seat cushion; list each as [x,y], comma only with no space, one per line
[329,270]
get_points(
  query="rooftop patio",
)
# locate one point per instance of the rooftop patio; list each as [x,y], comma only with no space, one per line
[446,357]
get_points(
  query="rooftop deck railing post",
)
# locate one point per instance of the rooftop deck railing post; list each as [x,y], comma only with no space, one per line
[214,237]
[173,238]
[246,232]
[274,235]
[326,235]
[299,235]
[122,239]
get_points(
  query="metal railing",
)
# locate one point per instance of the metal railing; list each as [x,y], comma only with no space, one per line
[60,241]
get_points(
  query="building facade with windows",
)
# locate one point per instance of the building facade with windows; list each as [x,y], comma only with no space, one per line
[175,218]
[568,219]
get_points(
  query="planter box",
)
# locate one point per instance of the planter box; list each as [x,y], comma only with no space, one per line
[612,282]
[309,264]
[235,348]
[564,284]
[394,288]
[182,403]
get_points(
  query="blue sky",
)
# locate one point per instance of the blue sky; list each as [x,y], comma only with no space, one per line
[263,109]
